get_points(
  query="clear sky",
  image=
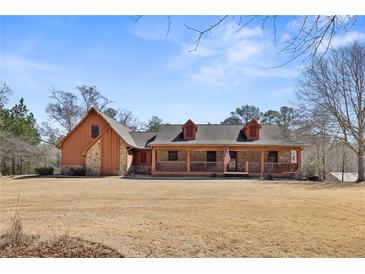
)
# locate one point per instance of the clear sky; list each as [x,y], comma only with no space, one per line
[141,69]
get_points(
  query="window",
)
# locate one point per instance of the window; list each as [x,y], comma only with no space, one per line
[143,157]
[173,155]
[272,157]
[253,131]
[211,156]
[94,131]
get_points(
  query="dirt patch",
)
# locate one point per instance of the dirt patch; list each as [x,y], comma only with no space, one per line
[61,247]
[14,243]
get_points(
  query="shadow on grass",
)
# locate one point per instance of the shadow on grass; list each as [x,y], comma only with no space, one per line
[56,176]
[319,184]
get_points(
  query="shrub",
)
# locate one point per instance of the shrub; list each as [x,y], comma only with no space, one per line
[77,171]
[44,170]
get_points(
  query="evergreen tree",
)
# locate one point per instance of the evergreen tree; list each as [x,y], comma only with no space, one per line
[19,122]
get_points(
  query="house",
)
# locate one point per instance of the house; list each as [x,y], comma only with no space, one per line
[102,146]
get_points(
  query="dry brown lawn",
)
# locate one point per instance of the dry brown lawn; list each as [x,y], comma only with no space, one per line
[194,218]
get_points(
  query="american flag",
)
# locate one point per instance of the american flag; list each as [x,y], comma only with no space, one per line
[227,157]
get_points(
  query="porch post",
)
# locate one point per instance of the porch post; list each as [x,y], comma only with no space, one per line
[224,165]
[262,163]
[153,160]
[299,159]
[188,160]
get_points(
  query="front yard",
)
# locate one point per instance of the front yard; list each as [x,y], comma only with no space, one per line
[194,218]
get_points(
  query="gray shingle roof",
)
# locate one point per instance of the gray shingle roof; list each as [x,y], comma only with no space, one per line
[134,139]
[222,135]
[143,139]
[206,135]
[122,130]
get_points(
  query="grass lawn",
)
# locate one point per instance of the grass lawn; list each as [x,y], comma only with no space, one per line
[194,218]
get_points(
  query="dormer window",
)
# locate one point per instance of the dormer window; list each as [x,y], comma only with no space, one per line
[252,130]
[189,130]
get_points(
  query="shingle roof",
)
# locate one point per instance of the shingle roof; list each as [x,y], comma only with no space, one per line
[206,135]
[143,139]
[122,130]
[222,135]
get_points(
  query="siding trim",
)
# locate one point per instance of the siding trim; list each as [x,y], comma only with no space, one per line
[83,153]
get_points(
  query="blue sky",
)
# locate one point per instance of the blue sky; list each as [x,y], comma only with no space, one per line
[141,69]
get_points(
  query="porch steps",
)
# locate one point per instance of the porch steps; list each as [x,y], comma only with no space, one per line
[235,174]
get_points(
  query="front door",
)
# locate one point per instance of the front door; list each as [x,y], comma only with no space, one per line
[232,165]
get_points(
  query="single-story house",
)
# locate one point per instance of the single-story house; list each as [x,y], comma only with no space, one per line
[102,146]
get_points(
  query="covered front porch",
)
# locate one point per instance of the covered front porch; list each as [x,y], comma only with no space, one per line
[209,160]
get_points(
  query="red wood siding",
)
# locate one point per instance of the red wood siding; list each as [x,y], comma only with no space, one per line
[252,130]
[189,130]
[138,157]
[78,140]
[110,153]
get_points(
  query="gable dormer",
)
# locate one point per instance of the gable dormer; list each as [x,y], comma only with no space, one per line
[189,130]
[252,130]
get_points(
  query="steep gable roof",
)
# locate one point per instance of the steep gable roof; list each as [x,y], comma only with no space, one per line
[120,129]
[143,139]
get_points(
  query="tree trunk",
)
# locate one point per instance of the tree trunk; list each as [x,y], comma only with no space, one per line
[360,164]
[343,167]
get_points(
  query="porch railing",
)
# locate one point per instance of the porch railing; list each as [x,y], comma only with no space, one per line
[204,166]
[280,167]
[253,167]
[200,166]
[171,165]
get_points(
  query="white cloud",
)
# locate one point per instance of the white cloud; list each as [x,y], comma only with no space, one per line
[226,56]
[17,63]
[283,92]
[347,39]
[151,28]
[26,72]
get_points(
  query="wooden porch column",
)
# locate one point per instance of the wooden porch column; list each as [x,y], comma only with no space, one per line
[224,166]
[188,160]
[299,159]
[262,163]
[153,160]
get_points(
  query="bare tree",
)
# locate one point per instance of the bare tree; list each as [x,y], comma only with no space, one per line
[64,109]
[336,85]
[49,134]
[313,35]
[91,97]
[111,112]
[5,91]
[127,118]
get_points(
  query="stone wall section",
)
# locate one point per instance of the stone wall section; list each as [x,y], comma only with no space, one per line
[163,155]
[250,156]
[123,153]
[93,160]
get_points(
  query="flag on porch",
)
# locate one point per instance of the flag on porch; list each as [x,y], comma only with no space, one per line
[227,157]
